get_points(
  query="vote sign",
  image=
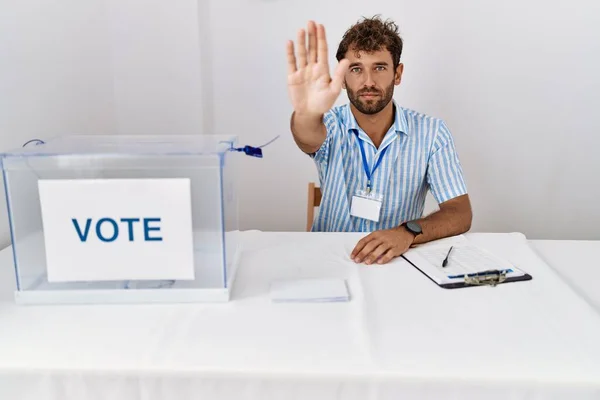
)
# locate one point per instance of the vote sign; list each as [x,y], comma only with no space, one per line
[117,229]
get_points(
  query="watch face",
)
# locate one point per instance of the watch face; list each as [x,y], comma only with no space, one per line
[414,227]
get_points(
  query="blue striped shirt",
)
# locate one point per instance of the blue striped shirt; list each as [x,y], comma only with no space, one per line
[420,156]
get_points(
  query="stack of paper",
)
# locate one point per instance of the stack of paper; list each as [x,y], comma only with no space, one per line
[316,290]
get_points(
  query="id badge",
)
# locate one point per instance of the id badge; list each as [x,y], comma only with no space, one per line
[366,205]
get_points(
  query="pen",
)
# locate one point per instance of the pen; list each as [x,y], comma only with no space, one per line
[445,262]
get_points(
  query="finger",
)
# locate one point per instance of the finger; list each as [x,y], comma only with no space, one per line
[312,43]
[369,247]
[378,252]
[361,244]
[322,52]
[301,39]
[338,75]
[291,57]
[365,241]
[387,257]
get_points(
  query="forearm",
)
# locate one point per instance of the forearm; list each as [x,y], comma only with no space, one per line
[308,131]
[452,219]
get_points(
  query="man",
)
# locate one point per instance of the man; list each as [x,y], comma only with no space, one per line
[375,159]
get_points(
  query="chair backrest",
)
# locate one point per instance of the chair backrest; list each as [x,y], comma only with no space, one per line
[314,200]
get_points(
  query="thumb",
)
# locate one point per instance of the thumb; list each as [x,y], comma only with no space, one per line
[338,75]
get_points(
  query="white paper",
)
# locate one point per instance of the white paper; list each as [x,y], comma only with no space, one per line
[309,290]
[363,207]
[465,258]
[158,245]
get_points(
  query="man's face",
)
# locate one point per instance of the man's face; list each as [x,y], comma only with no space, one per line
[370,80]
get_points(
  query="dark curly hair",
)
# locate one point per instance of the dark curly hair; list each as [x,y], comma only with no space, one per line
[370,35]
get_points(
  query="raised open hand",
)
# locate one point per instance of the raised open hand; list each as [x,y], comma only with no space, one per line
[312,90]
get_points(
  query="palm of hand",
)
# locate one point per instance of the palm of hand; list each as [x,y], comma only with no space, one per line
[310,90]
[310,86]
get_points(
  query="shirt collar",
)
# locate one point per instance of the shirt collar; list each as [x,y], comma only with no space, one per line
[400,124]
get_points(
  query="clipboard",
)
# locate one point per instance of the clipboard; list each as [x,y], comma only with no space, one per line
[467,265]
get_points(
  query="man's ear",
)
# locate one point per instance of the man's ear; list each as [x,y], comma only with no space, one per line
[399,71]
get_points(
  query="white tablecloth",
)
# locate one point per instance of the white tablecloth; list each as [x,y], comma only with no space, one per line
[400,336]
[577,262]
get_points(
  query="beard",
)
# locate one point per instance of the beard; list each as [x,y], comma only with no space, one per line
[371,106]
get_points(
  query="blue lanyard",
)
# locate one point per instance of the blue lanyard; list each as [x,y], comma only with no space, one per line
[366,165]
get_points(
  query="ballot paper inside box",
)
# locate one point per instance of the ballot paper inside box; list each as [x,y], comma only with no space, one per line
[120,219]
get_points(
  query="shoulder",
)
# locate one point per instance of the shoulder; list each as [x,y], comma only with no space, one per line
[340,112]
[431,129]
[421,123]
[337,117]
[334,121]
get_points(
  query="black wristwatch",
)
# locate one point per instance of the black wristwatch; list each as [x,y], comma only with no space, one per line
[413,227]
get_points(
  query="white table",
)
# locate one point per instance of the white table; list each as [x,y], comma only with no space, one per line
[400,337]
[577,262]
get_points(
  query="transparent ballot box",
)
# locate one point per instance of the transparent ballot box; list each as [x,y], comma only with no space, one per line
[123,219]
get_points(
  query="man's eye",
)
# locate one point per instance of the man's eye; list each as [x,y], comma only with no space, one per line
[380,68]
[355,70]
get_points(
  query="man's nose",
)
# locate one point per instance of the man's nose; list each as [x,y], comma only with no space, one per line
[369,81]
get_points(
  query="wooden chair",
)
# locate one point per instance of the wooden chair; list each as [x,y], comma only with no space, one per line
[314,200]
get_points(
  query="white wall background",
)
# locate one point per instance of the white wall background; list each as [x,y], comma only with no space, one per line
[100,67]
[516,81]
